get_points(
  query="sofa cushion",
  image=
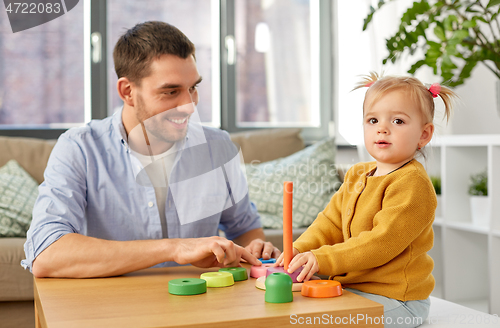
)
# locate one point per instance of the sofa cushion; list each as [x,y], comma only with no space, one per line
[314,177]
[275,236]
[18,193]
[31,153]
[16,284]
[269,144]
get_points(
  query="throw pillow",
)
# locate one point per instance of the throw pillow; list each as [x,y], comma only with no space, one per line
[314,177]
[18,192]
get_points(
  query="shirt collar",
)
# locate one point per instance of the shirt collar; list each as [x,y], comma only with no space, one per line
[119,128]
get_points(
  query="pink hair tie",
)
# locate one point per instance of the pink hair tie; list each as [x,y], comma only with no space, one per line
[369,84]
[435,89]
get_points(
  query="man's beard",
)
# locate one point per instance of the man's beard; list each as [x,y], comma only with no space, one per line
[155,126]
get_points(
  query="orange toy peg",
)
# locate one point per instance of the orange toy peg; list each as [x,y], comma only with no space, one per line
[287,222]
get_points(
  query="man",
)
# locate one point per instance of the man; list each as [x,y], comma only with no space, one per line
[98,214]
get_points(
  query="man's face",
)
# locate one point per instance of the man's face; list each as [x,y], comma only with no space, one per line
[166,98]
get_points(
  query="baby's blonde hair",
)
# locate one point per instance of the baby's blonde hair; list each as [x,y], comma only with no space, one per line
[379,86]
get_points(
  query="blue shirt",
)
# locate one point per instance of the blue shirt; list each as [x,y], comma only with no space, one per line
[95,186]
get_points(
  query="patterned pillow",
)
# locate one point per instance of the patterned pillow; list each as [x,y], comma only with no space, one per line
[18,192]
[314,177]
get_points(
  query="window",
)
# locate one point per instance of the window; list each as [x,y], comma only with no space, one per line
[272,65]
[195,18]
[42,73]
[260,61]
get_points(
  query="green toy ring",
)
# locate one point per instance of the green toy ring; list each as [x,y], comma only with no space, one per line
[187,286]
[239,274]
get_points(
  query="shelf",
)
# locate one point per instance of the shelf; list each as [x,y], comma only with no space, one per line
[438,221]
[466,255]
[466,140]
[468,227]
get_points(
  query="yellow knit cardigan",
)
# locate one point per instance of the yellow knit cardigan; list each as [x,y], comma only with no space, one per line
[375,233]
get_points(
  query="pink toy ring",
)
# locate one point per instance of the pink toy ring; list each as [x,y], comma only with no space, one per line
[257,271]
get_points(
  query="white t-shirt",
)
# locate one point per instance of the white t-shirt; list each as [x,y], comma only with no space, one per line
[160,173]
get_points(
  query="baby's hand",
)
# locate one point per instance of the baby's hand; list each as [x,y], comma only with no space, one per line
[281,259]
[309,263]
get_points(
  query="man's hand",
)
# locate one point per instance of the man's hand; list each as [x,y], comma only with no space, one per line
[212,252]
[262,249]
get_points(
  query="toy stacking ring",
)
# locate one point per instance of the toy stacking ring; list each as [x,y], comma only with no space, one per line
[321,288]
[259,270]
[187,286]
[239,274]
[218,279]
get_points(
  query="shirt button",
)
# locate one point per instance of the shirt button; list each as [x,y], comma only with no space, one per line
[150,204]
[348,211]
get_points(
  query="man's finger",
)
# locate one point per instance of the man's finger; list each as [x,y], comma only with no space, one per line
[230,250]
[249,257]
[267,251]
[276,253]
[218,251]
[255,247]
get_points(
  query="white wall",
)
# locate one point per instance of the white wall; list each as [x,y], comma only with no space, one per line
[477,113]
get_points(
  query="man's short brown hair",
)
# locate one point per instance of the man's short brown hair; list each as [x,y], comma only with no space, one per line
[144,42]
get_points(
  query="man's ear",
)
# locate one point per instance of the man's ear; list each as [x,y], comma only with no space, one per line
[124,87]
[426,135]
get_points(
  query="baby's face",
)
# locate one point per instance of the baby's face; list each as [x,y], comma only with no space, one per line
[393,129]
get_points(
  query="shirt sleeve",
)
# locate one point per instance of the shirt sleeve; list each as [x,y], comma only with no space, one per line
[241,216]
[60,206]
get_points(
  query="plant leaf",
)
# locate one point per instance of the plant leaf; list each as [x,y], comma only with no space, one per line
[448,22]
[416,66]
[451,49]
[467,69]
[460,34]
[493,3]
[368,18]
[482,19]
[447,64]
[439,32]
[469,24]
[411,13]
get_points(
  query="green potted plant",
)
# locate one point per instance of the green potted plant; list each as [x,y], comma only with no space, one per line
[455,35]
[436,182]
[479,201]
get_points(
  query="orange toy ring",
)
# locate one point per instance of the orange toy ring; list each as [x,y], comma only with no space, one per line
[321,288]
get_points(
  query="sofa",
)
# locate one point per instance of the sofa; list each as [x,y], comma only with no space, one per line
[16,284]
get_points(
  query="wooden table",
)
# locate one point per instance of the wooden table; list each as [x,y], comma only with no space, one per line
[141,299]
